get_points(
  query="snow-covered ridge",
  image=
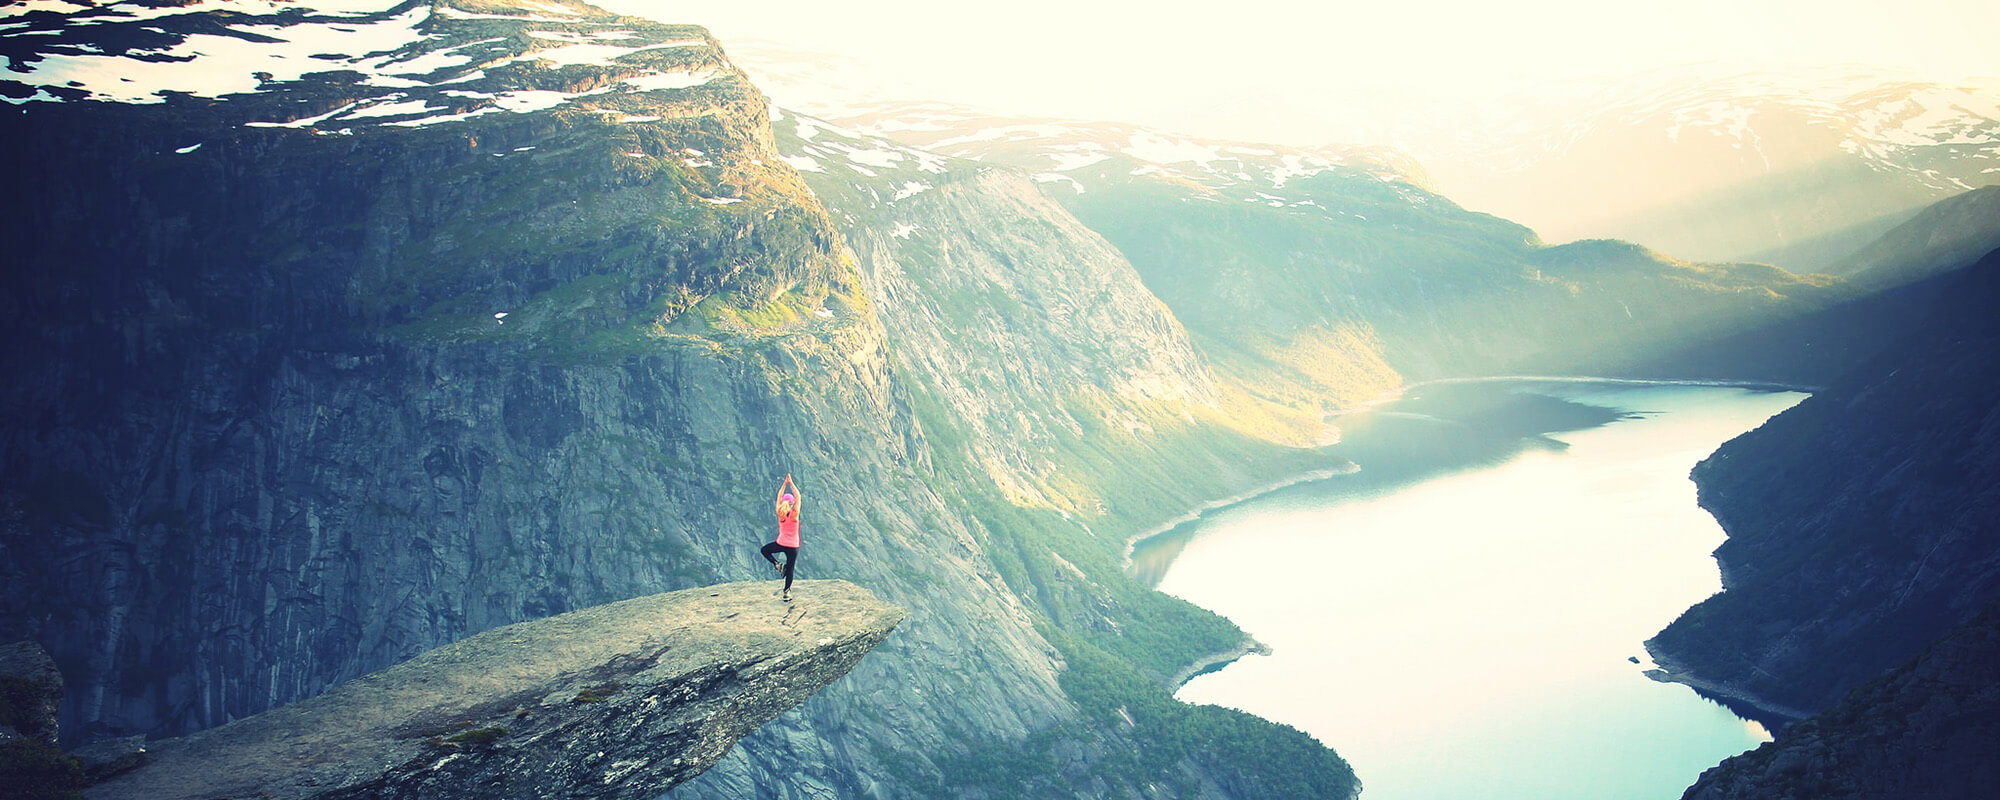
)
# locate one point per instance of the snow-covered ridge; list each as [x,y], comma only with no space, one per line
[876,161]
[1064,155]
[816,145]
[1072,155]
[430,64]
[882,176]
[1903,125]
[1900,113]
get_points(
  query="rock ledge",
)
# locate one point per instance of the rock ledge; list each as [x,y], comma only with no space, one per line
[624,700]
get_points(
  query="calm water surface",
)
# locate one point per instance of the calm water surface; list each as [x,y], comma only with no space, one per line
[1466,634]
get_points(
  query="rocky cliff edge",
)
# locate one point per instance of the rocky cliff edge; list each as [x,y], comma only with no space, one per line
[623,700]
[1926,729]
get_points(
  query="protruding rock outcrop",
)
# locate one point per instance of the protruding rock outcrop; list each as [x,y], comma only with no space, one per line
[623,700]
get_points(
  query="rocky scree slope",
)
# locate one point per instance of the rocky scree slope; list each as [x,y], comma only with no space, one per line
[624,700]
[1860,521]
[1026,327]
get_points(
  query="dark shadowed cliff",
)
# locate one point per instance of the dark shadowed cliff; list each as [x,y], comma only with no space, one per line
[1926,730]
[1860,522]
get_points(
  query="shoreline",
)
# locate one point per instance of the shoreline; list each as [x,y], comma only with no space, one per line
[1771,716]
[1767,386]
[1740,702]
[1216,661]
[1132,542]
[1395,394]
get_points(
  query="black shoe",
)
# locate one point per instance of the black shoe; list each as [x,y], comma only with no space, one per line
[787,596]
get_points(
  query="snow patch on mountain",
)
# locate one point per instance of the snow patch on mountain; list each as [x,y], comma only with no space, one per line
[210,65]
[1161,149]
[1917,128]
[804,163]
[435,56]
[822,142]
[660,81]
[1068,147]
[1057,177]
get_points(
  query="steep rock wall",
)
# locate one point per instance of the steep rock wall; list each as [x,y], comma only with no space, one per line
[1860,521]
[267,434]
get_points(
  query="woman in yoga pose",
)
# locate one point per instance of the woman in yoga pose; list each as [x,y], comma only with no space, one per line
[788,533]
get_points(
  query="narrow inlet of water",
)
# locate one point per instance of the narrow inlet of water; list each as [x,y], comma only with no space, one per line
[1463,622]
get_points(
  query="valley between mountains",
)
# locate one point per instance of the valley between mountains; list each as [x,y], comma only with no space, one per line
[339,331]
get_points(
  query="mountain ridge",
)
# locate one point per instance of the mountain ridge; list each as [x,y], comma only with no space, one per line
[1729,166]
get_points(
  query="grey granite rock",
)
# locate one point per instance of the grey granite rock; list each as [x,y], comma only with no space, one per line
[624,700]
[102,761]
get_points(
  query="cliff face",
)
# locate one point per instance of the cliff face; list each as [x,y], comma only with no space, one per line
[624,700]
[1025,327]
[1065,407]
[1924,730]
[1860,521]
[266,433]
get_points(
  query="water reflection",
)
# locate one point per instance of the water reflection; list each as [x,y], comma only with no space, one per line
[1458,618]
[1430,431]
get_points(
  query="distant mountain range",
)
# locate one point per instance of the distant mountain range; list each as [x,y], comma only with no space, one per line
[1793,168]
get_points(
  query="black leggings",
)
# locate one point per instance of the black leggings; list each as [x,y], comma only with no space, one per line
[791,558]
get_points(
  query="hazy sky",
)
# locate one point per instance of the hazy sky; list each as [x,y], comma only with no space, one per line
[1294,71]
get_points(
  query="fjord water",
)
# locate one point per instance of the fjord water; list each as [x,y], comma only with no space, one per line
[1467,634]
